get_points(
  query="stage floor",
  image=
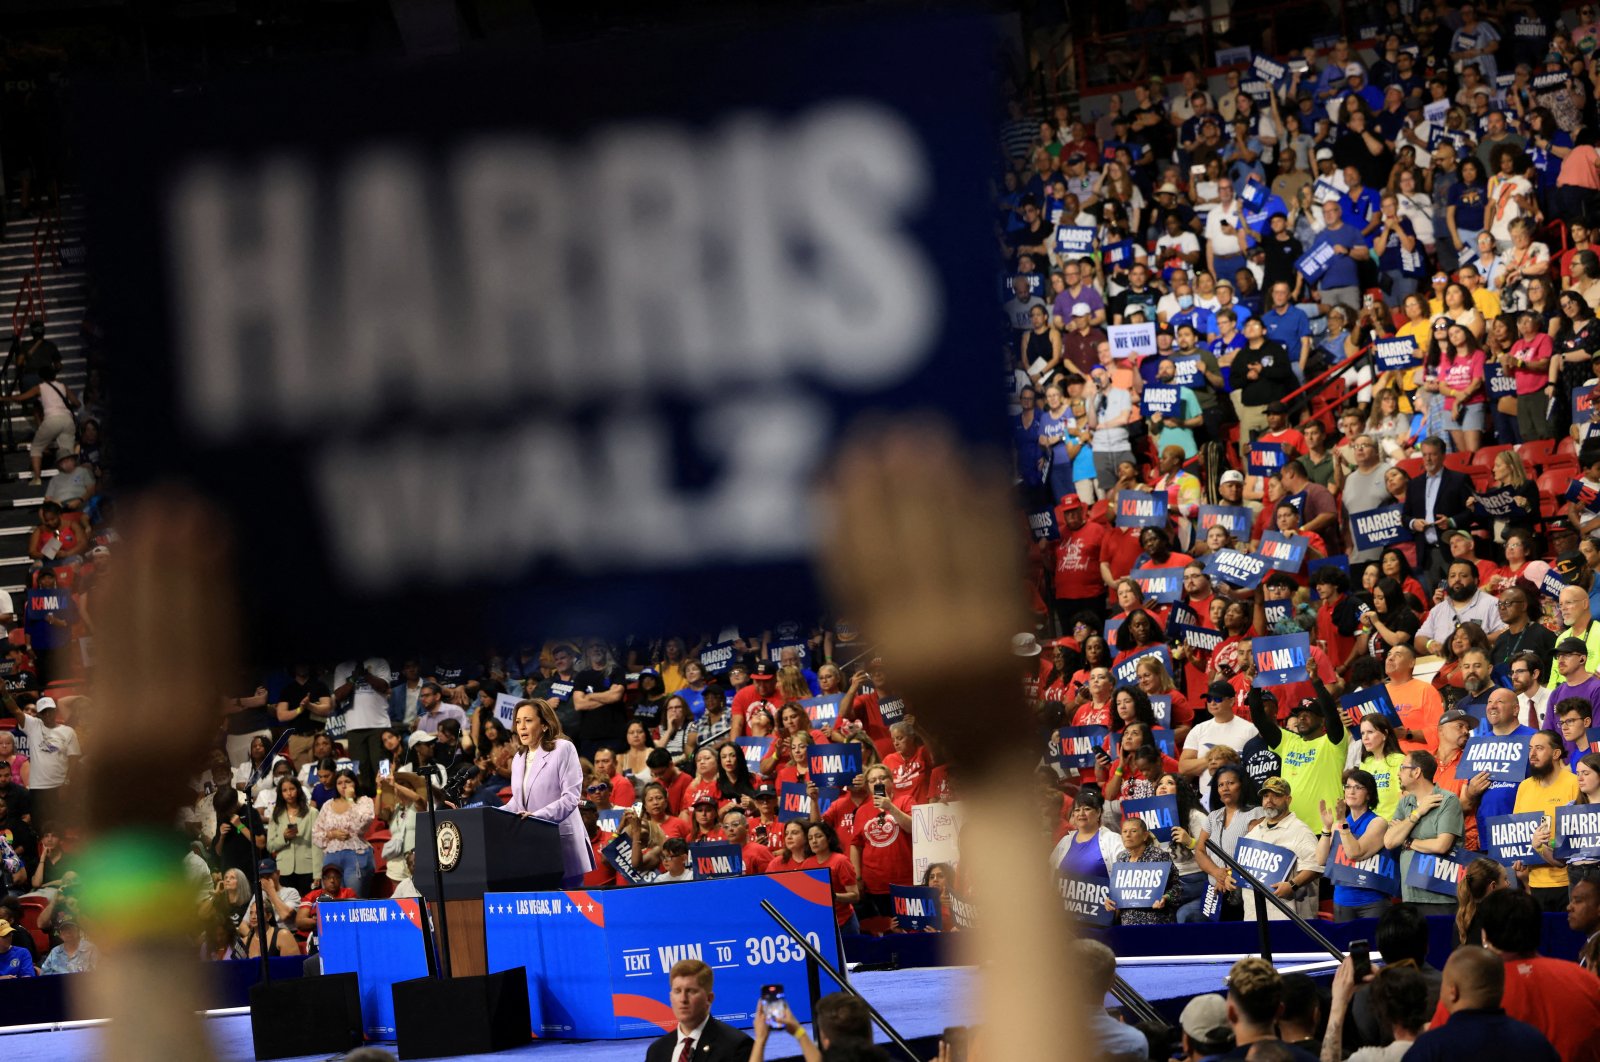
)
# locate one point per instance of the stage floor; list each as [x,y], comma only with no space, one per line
[919,1002]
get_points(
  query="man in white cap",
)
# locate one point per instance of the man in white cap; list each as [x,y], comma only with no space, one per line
[51,750]
[1206,1032]
[1080,344]
[1356,84]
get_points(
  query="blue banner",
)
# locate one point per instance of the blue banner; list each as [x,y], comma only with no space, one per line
[1084,897]
[1166,399]
[1119,255]
[1126,672]
[1551,584]
[793,803]
[1504,759]
[1236,518]
[1188,372]
[1211,903]
[1253,193]
[1577,491]
[1270,863]
[1498,382]
[1281,659]
[381,942]
[1315,262]
[1075,240]
[892,710]
[1373,699]
[1073,746]
[718,658]
[835,766]
[824,711]
[1436,873]
[1394,354]
[1284,553]
[1376,529]
[1138,885]
[1042,523]
[802,651]
[1577,833]
[916,908]
[1141,508]
[1508,838]
[754,749]
[619,853]
[1265,458]
[1378,872]
[1500,502]
[1161,585]
[598,961]
[1277,612]
[716,859]
[1181,613]
[1265,68]
[1160,813]
[1239,569]
[1583,403]
[1200,639]
[609,820]
[1161,705]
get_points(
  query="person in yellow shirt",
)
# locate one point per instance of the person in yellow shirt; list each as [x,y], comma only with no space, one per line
[1549,785]
[1486,301]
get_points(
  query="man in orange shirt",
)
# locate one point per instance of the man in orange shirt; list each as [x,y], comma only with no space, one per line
[1455,726]
[1416,702]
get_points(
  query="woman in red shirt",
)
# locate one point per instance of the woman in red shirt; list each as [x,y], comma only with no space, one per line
[798,765]
[1519,556]
[792,719]
[880,852]
[658,810]
[826,854]
[703,822]
[1156,681]
[794,852]
[1138,632]
[910,763]
[1096,653]
[704,783]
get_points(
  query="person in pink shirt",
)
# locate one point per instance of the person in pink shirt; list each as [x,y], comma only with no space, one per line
[1461,372]
[1530,355]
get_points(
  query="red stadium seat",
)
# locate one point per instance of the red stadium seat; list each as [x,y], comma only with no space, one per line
[1482,479]
[1568,446]
[1537,454]
[1485,455]
[1411,466]
[1552,485]
[1459,462]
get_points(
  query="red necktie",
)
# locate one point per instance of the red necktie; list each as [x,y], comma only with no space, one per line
[688,1050]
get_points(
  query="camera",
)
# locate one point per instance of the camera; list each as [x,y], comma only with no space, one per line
[772,1005]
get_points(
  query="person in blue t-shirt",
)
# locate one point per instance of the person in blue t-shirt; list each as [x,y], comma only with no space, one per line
[1360,204]
[14,961]
[1468,199]
[1340,282]
[1480,794]
[1401,256]
[1288,326]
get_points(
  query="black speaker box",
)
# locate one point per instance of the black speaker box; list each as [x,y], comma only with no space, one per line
[436,1017]
[306,1016]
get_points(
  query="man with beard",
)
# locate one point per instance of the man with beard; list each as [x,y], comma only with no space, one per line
[1549,785]
[1281,827]
[1573,604]
[1522,634]
[1313,751]
[1576,681]
[1482,796]
[1467,604]
[1477,681]
[1416,702]
[1527,678]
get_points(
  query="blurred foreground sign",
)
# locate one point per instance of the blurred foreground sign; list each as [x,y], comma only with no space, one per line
[470,353]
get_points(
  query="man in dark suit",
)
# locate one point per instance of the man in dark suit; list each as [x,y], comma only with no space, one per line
[699,1037]
[1436,501]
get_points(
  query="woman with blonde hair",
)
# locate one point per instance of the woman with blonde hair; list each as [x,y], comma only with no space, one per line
[1480,877]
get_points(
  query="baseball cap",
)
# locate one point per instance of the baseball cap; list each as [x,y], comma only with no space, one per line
[1456,715]
[1081,309]
[6,928]
[1233,475]
[1277,785]
[1205,1018]
[1569,565]
[1307,704]
[764,792]
[1071,502]
[705,798]
[420,737]
[1219,691]
[1571,645]
[267,866]
[1354,70]
[1277,407]
[1561,524]
[763,672]
[1324,153]
[44,704]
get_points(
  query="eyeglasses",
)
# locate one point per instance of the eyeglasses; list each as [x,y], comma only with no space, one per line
[1406,767]
[597,788]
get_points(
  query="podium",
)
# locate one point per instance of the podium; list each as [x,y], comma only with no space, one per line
[479,850]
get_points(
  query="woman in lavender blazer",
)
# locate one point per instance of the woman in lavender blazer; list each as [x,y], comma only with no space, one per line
[547,783]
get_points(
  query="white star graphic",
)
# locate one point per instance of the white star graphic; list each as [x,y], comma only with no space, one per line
[569,908]
[590,908]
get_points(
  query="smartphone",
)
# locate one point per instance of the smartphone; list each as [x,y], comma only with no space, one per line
[1361,959]
[772,1005]
[638,809]
[383,768]
[1102,755]
[880,790]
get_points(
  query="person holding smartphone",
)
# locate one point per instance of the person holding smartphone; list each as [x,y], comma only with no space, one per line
[880,851]
[774,1014]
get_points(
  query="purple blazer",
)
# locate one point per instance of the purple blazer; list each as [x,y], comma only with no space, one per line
[548,785]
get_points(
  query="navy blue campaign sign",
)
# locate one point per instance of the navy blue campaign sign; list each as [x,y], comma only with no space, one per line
[1315,262]
[1141,508]
[1239,569]
[619,853]
[1073,746]
[1508,838]
[835,765]
[1577,491]
[1042,522]
[1274,73]
[793,803]
[381,942]
[1498,382]
[1436,873]
[754,749]
[609,820]
[1161,705]
[1182,614]
[1397,352]
[1583,403]
[1160,813]
[1276,612]
[1126,673]
[1283,552]
[1379,872]
[1281,659]
[718,658]
[1577,833]
[1161,585]
[1378,528]
[1498,503]
[1211,902]
[824,711]
[1265,458]
[1270,863]
[1551,584]
[1084,897]
[916,908]
[1138,885]
[1253,193]
[597,961]
[1236,518]
[1505,759]
[385,317]
[1166,399]
[1373,699]
[1119,255]
[1201,639]
[892,710]
[1075,240]
[1188,372]
[717,859]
